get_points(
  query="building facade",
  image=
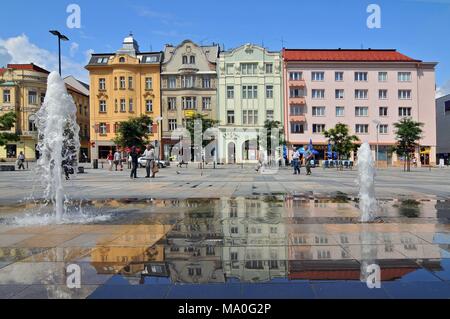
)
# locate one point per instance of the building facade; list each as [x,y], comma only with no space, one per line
[22,90]
[250,92]
[443,128]
[369,90]
[189,85]
[124,85]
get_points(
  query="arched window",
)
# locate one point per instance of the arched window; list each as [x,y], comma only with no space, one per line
[122,60]
[31,123]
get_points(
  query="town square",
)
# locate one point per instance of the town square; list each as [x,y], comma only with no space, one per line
[217,164]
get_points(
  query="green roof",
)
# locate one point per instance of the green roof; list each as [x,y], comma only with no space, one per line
[8,84]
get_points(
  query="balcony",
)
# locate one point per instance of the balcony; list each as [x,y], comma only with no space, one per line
[32,134]
[297,83]
[297,118]
[297,100]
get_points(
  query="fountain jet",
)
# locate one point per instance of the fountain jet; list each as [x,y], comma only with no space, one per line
[366,181]
[58,143]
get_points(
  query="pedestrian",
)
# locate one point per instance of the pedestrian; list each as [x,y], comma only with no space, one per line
[308,158]
[21,161]
[296,162]
[110,159]
[118,160]
[149,156]
[134,162]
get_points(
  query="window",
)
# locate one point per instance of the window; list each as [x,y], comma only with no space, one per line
[361,94]
[189,103]
[172,124]
[383,128]
[122,82]
[123,105]
[269,92]
[80,108]
[102,106]
[185,59]
[102,84]
[149,106]
[206,103]
[192,59]
[361,111]
[318,111]
[115,83]
[318,76]
[340,111]
[148,83]
[230,117]
[172,103]
[234,256]
[249,68]
[103,60]
[42,98]
[6,96]
[296,110]
[116,106]
[294,93]
[339,94]
[361,76]
[230,92]
[447,107]
[339,76]
[230,68]
[32,123]
[404,76]
[249,92]
[383,111]
[130,82]
[318,128]
[172,82]
[382,76]
[362,128]
[250,117]
[383,94]
[122,60]
[269,68]
[206,83]
[234,230]
[187,81]
[297,128]
[269,115]
[32,97]
[318,94]
[404,111]
[103,129]
[295,76]
[404,94]
[130,105]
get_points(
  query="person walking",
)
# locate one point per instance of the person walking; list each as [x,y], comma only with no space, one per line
[134,162]
[308,158]
[118,160]
[21,161]
[149,156]
[110,159]
[296,162]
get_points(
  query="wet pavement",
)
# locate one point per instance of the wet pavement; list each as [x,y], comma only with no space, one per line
[261,247]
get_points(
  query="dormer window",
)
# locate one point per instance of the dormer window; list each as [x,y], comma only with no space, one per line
[122,60]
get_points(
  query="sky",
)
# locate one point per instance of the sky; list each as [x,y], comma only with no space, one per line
[417,28]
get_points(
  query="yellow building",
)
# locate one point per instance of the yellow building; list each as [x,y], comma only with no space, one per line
[124,84]
[22,90]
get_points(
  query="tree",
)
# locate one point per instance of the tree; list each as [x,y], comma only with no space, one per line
[342,141]
[134,132]
[7,122]
[207,123]
[270,126]
[408,133]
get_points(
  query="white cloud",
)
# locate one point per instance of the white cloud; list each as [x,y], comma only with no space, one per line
[74,48]
[443,90]
[20,50]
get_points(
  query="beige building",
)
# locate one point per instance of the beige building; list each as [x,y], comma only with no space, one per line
[22,90]
[189,83]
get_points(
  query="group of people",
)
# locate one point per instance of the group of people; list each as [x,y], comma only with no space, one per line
[298,157]
[149,156]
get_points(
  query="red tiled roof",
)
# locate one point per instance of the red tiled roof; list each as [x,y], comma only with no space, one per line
[29,67]
[387,274]
[345,55]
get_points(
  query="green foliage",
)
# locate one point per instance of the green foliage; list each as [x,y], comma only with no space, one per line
[408,133]
[206,124]
[270,126]
[134,132]
[343,143]
[7,122]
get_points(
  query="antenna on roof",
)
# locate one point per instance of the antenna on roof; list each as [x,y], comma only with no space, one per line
[282,42]
[362,46]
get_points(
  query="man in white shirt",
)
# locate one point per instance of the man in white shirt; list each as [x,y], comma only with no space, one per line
[296,162]
[149,155]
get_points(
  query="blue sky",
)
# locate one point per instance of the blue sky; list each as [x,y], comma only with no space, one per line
[418,28]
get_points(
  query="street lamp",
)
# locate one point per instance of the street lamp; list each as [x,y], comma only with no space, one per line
[377,123]
[60,37]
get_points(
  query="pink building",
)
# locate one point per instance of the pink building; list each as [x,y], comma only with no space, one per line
[369,90]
